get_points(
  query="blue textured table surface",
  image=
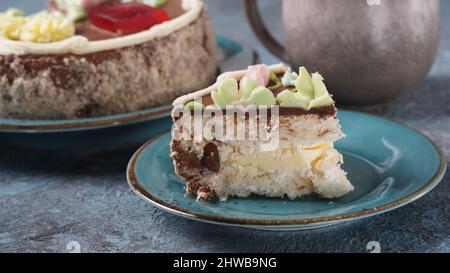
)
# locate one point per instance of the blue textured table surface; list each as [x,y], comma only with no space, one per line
[48,200]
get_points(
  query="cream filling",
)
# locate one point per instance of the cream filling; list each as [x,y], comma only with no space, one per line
[284,159]
[293,171]
[80,45]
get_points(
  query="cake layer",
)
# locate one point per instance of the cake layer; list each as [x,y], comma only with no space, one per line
[238,169]
[303,161]
[303,130]
[109,82]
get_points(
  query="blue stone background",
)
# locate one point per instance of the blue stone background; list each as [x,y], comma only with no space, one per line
[48,200]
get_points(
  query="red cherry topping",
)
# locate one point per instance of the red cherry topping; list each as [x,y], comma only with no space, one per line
[127,18]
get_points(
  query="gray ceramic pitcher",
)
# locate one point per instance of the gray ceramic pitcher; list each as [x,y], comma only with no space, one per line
[369,51]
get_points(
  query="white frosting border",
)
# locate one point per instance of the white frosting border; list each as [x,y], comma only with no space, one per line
[276,68]
[80,45]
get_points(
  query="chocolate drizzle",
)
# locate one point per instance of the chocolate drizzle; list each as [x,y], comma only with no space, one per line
[324,111]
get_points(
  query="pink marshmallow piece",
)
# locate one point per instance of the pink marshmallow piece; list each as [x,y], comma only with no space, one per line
[259,73]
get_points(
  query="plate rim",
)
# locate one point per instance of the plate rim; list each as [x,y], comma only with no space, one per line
[254,223]
[10,125]
[50,126]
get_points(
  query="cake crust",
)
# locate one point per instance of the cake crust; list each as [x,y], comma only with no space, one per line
[202,163]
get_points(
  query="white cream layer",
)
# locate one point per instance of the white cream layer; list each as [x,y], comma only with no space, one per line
[282,160]
[80,45]
[290,171]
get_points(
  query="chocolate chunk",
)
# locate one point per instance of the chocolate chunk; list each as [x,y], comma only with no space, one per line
[211,159]
[186,161]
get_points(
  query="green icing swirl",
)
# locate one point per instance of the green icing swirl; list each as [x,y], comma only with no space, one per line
[310,91]
[193,105]
[273,78]
[251,93]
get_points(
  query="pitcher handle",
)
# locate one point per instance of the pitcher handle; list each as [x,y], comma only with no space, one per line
[258,26]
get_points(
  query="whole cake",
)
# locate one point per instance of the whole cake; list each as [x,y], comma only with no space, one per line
[85,58]
[296,157]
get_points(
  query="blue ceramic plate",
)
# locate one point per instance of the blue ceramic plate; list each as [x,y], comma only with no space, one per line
[390,166]
[107,131]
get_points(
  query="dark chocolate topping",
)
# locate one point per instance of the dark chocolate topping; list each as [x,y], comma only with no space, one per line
[322,112]
[210,160]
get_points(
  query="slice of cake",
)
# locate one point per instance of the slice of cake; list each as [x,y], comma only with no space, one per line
[86,58]
[264,131]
